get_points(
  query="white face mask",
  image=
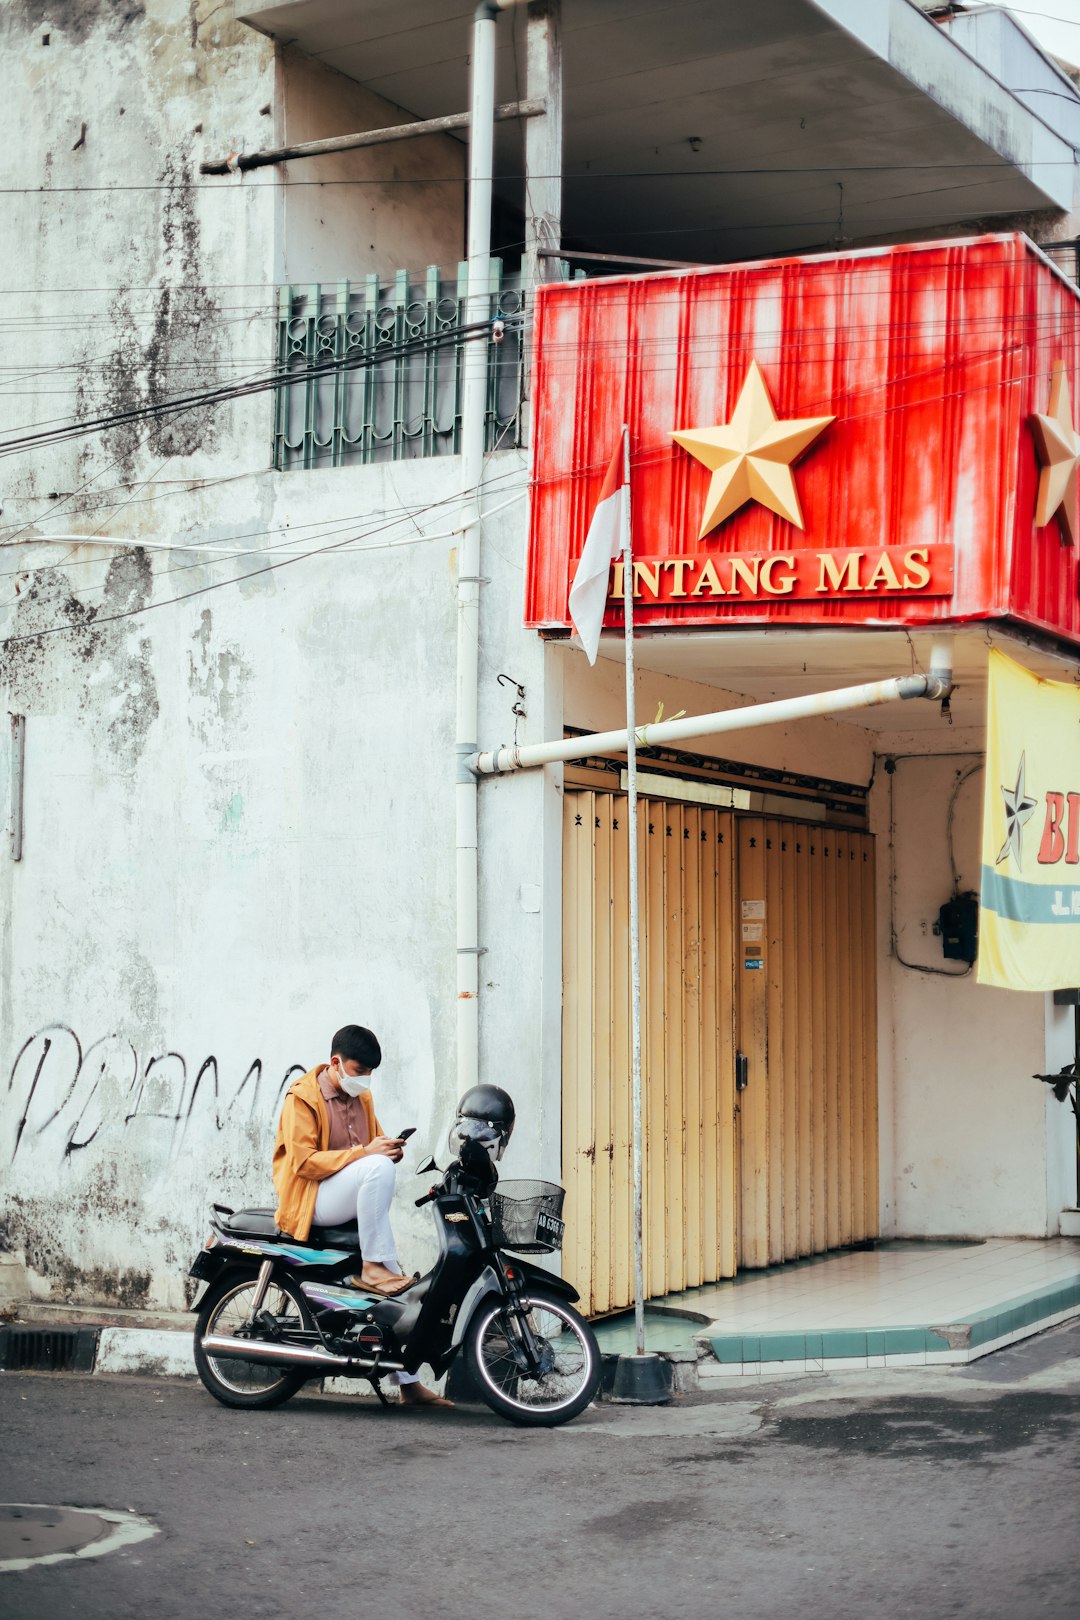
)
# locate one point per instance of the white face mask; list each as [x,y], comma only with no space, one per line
[351,1084]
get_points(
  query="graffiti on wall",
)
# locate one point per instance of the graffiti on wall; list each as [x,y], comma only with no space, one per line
[65,1093]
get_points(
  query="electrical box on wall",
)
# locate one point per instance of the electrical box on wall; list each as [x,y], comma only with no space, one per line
[958,925]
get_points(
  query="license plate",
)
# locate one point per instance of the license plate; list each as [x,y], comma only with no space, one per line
[204,1267]
[549,1227]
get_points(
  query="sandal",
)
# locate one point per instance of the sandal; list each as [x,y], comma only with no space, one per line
[389,1290]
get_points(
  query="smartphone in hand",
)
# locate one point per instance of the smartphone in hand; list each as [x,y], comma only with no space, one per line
[403,1136]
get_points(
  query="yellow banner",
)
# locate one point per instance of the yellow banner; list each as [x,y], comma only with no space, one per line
[1029,924]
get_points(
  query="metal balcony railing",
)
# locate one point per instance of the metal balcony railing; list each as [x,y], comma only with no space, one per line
[373,370]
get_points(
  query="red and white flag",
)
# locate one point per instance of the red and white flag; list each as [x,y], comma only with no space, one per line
[608,538]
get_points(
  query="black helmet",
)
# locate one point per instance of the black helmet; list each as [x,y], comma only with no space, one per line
[485,1115]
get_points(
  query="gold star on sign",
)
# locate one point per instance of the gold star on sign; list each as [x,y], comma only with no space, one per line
[751,456]
[1058,445]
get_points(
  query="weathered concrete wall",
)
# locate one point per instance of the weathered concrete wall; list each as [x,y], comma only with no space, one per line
[963,1124]
[1002,45]
[125,279]
[1062,1191]
[378,209]
[216,878]
[520,837]
[195,905]
[895,31]
[125,283]
[238,794]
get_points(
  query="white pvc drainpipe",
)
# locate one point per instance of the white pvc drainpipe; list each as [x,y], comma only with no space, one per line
[473,419]
[937,685]
[473,411]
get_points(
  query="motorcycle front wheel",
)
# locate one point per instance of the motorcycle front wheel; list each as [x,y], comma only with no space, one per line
[227,1308]
[567,1377]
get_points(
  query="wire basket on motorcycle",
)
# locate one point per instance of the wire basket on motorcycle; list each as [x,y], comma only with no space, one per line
[527,1216]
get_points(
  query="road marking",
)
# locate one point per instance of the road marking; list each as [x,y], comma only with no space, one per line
[129,1528]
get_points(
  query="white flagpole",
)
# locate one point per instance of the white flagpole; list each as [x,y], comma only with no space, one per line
[635,943]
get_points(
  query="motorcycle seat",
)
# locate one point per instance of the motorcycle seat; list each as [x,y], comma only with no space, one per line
[261,1223]
[335,1237]
[253,1222]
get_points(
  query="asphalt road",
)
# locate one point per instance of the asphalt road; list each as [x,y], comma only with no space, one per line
[860,1496]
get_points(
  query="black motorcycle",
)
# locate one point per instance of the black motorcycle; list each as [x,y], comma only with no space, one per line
[278,1313]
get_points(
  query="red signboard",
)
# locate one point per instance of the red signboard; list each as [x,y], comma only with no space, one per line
[846,438]
[797,576]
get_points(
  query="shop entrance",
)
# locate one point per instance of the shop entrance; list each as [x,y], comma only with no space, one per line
[758,1043]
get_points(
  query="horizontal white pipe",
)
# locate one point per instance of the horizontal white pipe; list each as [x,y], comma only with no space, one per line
[497,761]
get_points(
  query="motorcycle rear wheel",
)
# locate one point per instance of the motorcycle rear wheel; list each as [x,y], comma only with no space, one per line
[494,1356]
[226,1307]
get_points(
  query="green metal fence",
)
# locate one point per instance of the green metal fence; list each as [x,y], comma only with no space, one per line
[377,371]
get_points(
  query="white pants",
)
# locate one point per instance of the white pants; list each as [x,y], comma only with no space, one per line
[363,1192]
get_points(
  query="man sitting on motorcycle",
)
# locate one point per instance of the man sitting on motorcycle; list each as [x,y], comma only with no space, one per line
[333,1165]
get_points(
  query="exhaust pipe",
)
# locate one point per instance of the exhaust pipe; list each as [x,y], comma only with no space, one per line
[301,1356]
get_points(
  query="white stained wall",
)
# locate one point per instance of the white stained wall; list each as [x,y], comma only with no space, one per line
[374,209]
[215,880]
[125,278]
[125,281]
[1062,1167]
[208,891]
[964,1125]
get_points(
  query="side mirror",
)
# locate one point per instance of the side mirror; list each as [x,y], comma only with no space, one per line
[426,1169]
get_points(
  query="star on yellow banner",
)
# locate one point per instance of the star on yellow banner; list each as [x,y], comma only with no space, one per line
[1058,445]
[751,456]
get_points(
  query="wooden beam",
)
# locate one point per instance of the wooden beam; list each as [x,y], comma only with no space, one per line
[367,137]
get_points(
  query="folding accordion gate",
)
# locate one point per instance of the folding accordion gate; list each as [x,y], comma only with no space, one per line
[757,938]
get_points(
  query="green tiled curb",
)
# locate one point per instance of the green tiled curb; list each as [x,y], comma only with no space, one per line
[834,1344]
[1024,1311]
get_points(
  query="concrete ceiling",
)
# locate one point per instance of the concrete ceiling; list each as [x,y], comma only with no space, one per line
[783,100]
[764,665]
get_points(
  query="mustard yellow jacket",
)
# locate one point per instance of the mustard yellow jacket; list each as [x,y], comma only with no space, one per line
[302,1157]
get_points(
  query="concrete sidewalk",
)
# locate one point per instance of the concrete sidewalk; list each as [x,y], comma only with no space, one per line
[900,1304]
[905,1304]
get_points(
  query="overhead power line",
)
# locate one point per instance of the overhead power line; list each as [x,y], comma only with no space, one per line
[567,176]
[868,274]
[214,551]
[454,499]
[470,332]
